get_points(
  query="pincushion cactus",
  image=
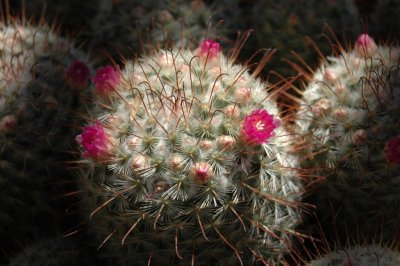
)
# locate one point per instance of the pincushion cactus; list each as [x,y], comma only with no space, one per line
[349,132]
[187,162]
[373,255]
[43,87]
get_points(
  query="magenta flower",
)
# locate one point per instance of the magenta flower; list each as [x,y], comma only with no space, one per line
[106,79]
[392,150]
[259,126]
[210,48]
[94,140]
[365,45]
[77,74]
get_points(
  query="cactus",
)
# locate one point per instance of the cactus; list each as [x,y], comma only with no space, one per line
[284,25]
[46,252]
[43,87]
[123,28]
[52,252]
[73,16]
[348,123]
[372,255]
[187,163]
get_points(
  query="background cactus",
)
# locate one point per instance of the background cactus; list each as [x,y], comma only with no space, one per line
[123,29]
[43,87]
[52,252]
[349,131]
[285,26]
[373,255]
[187,163]
[73,16]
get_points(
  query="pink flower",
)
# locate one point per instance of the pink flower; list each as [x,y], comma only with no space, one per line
[392,150]
[209,49]
[259,126]
[365,45]
[106,79]
[94,140]
[77,74]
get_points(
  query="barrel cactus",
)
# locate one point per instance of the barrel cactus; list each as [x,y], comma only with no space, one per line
[44,83]
[350,139]
[186,162]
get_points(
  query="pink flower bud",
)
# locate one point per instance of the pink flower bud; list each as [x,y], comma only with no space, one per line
[322,107]
[139,162]
[106,79]
[205,144]
[365,46]
[95,141]
[330,76]
[360,137]
[232,111]
[243,95]
[392,150]
[210,49]
[77,74]
[226,142]
[176,162]
[341,114]
[202,172]
[8,124]
[259,127]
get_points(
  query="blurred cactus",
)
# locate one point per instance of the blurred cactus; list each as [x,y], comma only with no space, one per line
[73,16]
[51,252]
[285,25]
[124,29]
[359,256]
[348,123]
[43,85]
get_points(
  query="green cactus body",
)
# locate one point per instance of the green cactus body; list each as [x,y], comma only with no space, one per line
[349,131]
[373,255]
[124,29]
[40,94]
[175,172]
